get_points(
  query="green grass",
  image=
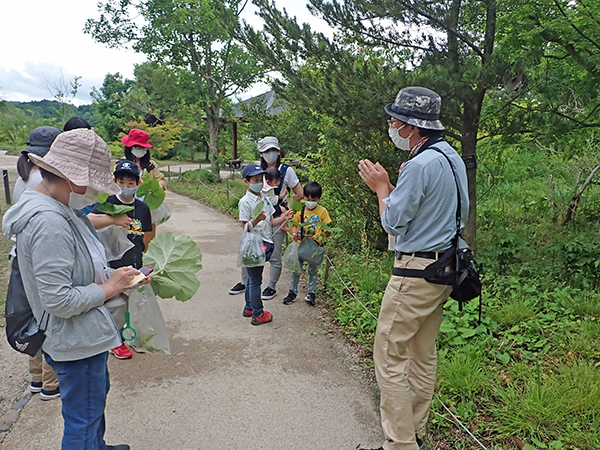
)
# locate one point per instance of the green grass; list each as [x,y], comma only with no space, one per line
[212,194]
[530,373]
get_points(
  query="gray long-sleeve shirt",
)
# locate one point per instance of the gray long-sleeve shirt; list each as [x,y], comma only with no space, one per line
[58,277]
[421,210]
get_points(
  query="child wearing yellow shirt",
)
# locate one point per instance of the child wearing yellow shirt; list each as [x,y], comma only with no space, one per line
[311,214]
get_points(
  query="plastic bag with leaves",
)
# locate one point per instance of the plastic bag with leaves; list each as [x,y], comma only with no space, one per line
[252,251]
[115,241]
[147,320]
[291,259]
[161,214]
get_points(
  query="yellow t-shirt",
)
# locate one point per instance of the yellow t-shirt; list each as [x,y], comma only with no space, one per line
[313,216]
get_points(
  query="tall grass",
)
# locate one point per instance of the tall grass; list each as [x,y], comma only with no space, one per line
[529,373]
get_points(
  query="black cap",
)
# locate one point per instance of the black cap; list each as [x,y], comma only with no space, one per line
[40,140]
[124,166]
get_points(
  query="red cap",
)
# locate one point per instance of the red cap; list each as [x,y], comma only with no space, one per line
[136,137]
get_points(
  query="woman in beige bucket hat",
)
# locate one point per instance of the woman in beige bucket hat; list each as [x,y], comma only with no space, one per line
[63,266]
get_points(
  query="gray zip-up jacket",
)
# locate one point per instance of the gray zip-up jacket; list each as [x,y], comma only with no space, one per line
[58,276]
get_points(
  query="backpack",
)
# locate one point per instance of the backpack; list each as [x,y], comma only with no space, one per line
[282,171]
[22,331]
[456,267]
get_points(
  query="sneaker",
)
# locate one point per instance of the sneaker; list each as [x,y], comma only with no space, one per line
[118,447]
[247,313]
[268,293]
[380,448]
[289,298]
[49,395]
[35,387]
[237,289]
[310,298]
[265,317]
[121,352]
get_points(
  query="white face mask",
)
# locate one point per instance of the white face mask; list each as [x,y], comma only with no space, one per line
[399,141]
[138,152]
[271,156]
[80,201]
[310,205]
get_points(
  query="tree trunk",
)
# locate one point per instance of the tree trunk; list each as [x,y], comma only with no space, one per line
[472,112]
[572,208]
[213,132]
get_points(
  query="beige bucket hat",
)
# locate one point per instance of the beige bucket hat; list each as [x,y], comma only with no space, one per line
[82,157]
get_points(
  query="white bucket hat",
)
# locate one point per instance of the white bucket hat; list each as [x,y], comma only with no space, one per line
[82,157]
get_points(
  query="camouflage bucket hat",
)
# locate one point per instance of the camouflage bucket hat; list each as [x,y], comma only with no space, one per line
[417,106]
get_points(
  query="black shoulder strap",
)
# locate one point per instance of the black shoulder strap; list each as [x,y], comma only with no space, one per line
[302,221]
[282,171]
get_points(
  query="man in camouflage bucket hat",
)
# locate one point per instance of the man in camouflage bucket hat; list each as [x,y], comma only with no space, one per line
[420,211]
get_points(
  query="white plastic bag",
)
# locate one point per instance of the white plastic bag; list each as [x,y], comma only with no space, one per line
[252,251]
[161,214]
[147,320]
[290,257]
[115,241]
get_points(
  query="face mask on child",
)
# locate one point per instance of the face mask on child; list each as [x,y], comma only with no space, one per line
[128,192]
[310,205]
[256,187]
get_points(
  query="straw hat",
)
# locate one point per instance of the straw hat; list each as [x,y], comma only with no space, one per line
[82,157]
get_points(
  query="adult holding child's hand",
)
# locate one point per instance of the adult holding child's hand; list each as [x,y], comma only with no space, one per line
[64,271]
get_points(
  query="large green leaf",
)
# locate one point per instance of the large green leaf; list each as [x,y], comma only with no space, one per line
[114,210]
[328,227]
[164,287]
[153,195]
[295,205]
[175,261]
[102,197]
[257,209]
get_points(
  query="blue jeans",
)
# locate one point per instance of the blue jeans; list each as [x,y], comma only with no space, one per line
[84,385]
[253,290]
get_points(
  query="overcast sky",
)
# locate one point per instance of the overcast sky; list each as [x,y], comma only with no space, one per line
[43,40]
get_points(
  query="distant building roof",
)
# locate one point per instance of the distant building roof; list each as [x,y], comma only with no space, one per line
[272,104]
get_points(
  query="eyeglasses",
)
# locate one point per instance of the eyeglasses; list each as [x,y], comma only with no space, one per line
[390,122]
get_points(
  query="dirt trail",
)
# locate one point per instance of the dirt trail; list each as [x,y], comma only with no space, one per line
[227,384]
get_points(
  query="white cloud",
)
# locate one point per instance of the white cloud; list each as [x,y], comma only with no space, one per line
[51,41]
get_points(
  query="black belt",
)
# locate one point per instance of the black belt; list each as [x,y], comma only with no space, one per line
[428,255]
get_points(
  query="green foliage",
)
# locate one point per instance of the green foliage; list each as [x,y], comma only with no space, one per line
[175,261]
[162,137]
[197,41]
[109,104]
[153,195]
[214,194]
[113,210]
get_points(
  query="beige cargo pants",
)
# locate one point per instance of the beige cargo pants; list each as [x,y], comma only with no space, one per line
[405,353]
